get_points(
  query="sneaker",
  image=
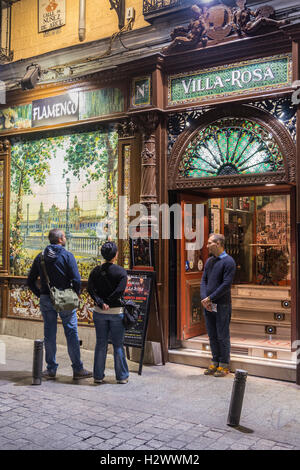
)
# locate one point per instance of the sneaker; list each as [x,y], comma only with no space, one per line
[98,381]
[82,374]
[48,375]
[125,381]
[221,372]
[211,370]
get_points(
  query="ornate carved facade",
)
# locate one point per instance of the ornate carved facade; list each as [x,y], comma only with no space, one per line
[212,25]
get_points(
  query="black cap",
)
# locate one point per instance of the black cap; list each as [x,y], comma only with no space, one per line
[109,250]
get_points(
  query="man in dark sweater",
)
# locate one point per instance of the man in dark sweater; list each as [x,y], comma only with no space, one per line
[215,292]
[62,271]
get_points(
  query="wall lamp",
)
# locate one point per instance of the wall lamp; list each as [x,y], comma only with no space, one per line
[31,77]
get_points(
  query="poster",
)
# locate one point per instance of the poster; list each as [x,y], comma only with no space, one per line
[139,289]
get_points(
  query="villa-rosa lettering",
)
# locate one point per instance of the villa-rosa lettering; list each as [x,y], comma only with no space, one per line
[238,78]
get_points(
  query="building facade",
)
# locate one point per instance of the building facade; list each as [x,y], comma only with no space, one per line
[194,106]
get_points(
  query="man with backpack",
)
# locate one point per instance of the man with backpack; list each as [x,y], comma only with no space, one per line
[56,267]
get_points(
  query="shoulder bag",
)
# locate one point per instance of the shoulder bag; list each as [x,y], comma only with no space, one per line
[61,299]
[131,310]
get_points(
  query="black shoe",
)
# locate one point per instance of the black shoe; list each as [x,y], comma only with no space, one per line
[48,374]
[82,374]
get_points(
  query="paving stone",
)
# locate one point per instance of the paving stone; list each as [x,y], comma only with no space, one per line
[81,445]
[219,446]
[6,430]
[125,447]
[146,436]
[103,446]
[265,443]
[238,446]
[155,444]
[136,442]
[114,442]
[213,435]
[40,425]
[176,444]
[105,434]
[125,436]
[84,434]
[94,440]
[199,445]
[281,448]
[115,429]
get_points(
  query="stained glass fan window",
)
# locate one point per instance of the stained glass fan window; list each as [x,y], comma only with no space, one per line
[231,146]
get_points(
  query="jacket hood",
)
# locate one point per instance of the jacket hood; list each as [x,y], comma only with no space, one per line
[52,252]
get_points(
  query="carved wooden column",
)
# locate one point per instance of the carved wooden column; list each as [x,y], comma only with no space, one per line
[4,202]
[4,217]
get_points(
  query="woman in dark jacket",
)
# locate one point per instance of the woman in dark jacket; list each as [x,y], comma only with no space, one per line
[106,285]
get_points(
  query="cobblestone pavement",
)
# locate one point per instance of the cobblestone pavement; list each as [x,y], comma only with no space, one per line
[168,407]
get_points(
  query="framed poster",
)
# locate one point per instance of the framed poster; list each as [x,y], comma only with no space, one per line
[52,14]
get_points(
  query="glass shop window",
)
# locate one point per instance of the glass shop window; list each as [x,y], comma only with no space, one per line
[257,235]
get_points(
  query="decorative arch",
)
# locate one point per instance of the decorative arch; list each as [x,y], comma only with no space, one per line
[234,145]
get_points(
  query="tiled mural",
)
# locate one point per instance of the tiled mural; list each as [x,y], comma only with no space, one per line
[63,181]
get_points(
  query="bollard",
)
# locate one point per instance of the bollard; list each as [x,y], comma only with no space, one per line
[237,397]
[37,366]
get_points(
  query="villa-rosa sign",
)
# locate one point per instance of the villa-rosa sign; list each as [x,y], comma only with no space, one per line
[254,75]
[55,110]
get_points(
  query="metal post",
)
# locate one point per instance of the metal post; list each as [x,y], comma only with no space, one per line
[37,366]
[237,397]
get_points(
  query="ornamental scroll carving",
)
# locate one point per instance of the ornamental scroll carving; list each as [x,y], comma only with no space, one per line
[213,25]
[4,145]
[126,128]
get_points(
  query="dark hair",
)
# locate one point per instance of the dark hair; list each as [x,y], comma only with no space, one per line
[55,235]
[109,250]
[218,237]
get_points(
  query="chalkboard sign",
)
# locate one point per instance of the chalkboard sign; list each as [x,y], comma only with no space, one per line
[141,285]
[139,289]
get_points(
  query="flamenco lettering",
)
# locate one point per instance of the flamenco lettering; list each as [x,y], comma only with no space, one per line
[66,108]
[238,79]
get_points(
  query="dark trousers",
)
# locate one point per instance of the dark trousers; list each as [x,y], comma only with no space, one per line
[217,326]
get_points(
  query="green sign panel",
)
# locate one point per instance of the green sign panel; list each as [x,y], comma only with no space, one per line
[63,109]
[141,91]
[240,78]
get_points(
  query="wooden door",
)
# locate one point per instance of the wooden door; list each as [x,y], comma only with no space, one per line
[192,261]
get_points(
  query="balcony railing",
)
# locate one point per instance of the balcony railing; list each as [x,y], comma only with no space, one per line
[154,8]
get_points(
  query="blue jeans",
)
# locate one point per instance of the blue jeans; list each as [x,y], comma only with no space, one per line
[109,325]
[217,326]
[69,321]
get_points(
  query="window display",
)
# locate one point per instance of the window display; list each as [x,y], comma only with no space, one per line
[257,234]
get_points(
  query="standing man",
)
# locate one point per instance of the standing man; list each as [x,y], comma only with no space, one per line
[216,299]
[63,273]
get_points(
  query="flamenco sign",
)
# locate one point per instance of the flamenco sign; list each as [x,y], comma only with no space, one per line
[254,75]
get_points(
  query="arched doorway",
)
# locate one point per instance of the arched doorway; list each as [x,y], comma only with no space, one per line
[242,161]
